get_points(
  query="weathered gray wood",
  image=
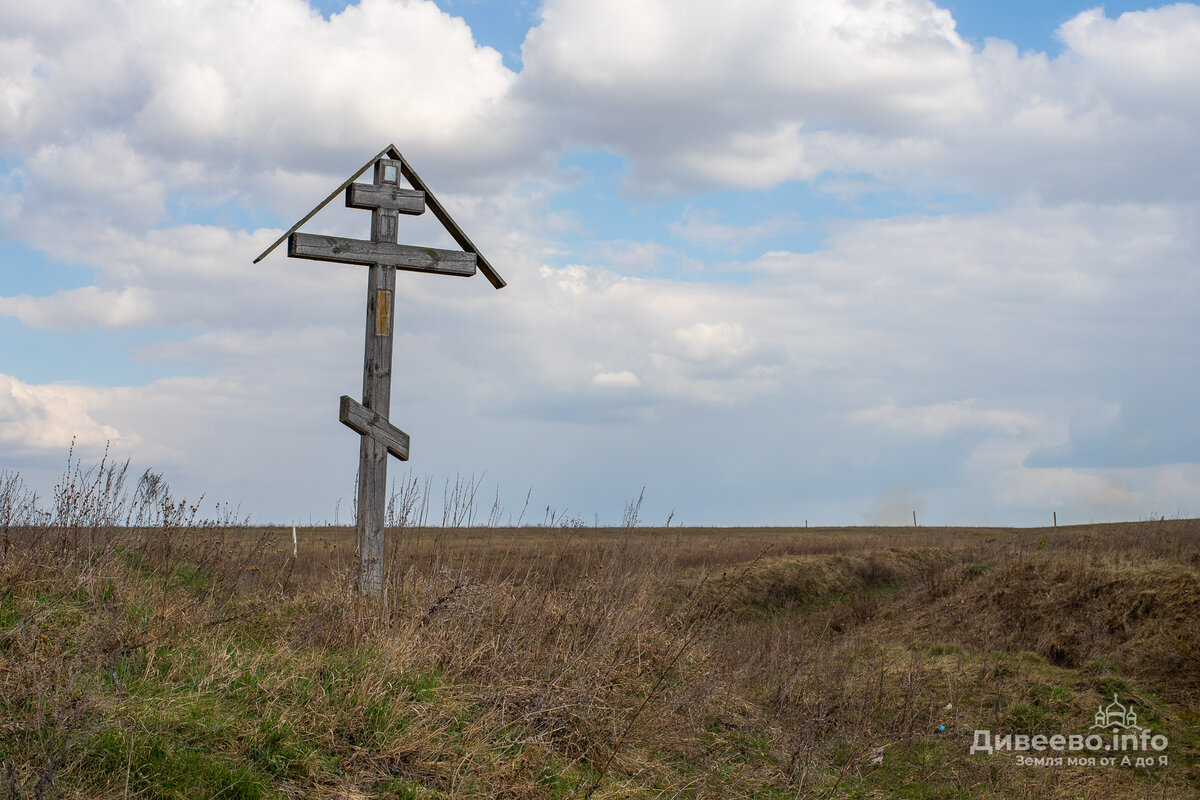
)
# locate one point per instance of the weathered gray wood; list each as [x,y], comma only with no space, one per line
[362,420]
[372,454]
[384,218]
[391,148]
[413,178]
[400,256]
[447,221]
[366,196]
[383,255]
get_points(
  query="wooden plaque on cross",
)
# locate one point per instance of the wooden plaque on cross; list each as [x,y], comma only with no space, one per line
[386,199]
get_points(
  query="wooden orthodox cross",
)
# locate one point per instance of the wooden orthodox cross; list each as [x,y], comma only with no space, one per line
[386,200]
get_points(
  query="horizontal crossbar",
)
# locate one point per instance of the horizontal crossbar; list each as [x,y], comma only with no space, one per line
[400,256]
[369,196]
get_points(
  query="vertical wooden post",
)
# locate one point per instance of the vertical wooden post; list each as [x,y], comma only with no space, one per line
[383,255]
[373,455]
[377,396]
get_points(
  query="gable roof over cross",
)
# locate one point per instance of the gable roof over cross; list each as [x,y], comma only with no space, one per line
[382,249]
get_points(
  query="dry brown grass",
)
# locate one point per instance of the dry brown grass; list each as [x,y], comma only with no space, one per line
[180,658]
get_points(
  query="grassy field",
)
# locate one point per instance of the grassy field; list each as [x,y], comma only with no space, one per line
[146,653]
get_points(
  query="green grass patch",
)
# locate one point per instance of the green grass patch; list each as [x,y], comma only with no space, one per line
[159,765]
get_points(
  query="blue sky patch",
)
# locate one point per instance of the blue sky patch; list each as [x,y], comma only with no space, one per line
[100,358]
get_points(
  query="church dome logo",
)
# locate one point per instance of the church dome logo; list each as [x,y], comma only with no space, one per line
[1116,717]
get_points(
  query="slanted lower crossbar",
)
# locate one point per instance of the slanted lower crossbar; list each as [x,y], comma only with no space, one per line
[360,419]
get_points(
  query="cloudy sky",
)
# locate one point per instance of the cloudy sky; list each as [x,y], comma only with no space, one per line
[834,260]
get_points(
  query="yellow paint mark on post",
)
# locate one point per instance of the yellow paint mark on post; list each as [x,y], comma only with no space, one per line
[383,313]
